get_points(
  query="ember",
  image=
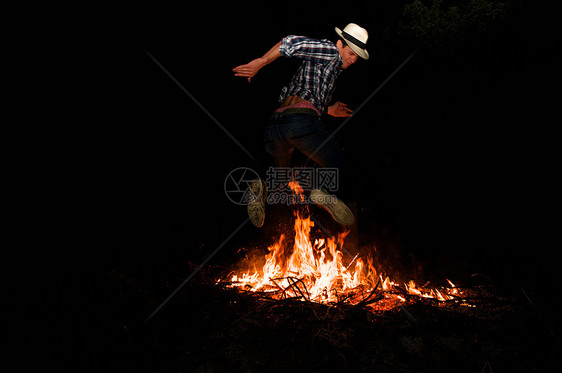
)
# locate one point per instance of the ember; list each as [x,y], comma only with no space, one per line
[316,271]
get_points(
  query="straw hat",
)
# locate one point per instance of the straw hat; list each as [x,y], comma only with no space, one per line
[356,37]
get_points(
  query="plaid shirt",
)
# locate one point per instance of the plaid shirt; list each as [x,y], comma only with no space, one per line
[315,80]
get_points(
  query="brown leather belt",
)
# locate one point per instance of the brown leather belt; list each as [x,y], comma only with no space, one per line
[297,110]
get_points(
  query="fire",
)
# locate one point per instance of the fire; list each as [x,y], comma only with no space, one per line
[317,267]
[316,271]
[296,187]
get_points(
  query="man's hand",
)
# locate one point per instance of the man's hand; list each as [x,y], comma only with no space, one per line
[339,109]
[249,70]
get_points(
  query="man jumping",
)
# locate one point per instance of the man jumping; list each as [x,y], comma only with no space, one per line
[296,124]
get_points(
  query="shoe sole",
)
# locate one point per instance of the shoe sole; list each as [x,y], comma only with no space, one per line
[256,207]
[339,211]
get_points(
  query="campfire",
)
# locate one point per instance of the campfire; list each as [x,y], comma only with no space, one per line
[308,304]
[316,270]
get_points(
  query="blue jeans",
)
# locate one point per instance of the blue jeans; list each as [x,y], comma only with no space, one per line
[305,133]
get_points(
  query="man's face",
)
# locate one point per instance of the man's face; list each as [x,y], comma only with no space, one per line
[348,56]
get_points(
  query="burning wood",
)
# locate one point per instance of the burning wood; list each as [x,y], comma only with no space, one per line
[315,271]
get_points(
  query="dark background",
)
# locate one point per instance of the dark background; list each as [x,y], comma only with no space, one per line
[455,155]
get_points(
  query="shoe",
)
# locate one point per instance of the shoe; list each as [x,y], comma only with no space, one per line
[256,206]
[339,211]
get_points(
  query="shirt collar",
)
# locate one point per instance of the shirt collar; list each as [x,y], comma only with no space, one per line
[340,61]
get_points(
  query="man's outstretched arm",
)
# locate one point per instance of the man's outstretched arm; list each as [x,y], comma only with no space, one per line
[250,69]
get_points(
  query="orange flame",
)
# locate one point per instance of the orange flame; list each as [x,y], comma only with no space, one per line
[315,271]
[296,187]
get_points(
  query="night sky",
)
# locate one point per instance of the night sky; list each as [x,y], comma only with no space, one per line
[455,154]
